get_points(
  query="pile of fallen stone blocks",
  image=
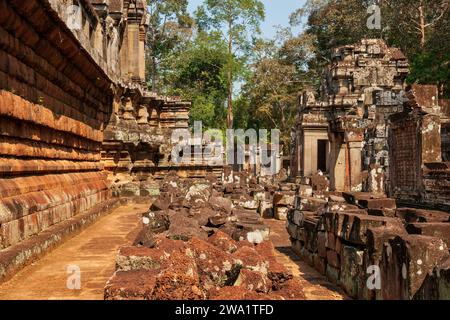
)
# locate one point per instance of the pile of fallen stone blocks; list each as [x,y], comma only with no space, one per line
[200,246]
[372,249]
[215,268]
[203,239]
[284,200]
[271,196]
[197,207]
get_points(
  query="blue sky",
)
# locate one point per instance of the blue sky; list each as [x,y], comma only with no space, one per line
[277,13]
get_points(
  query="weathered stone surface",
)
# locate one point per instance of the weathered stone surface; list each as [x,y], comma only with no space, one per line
[320,183]
[305,191]
[311,204]
[285,199]
[292,290]
[437,284]
[131,285]
[353,227]
[250,259]
[221,204]
[320,264]
[184,228]
[322,244]
[333,259]
[434,229]
[407,260]
[377,203]
[157,221]
[352,276]
[361,224]
[277,273]
[418,215]
[377,237]
[217,268]
[332,274]
[141,258]
[180,281]
[281,213]
[254,281]
[223,241]
[265,209]
[390,213]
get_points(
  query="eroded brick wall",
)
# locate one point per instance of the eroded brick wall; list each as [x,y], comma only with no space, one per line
[54,103]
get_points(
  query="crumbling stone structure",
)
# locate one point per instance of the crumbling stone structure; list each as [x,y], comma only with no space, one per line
[371,248]
[369,132]
[344,132]
[418,175]
[384,139]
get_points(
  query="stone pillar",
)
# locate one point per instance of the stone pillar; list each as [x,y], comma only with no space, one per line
[299,154]
[355,166]
[337,163]
[141,53]
[308,149]
[258,161]
[133,51]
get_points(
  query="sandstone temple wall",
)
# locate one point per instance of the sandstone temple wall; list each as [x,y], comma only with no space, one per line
[79,131]
[54,104]
[76,120]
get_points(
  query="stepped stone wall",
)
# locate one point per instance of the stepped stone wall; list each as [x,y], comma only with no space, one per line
[54,103]
[370,248]
[77,124]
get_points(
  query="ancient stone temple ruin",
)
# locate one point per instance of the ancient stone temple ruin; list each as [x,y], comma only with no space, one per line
[369,154]
[366,127]
[362,86]
[82,139]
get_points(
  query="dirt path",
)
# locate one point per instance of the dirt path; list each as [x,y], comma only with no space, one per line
[94,251]
[316,287]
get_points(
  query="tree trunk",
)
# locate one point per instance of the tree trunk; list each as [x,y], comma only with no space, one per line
[154,73]
[422,25]
[230,77]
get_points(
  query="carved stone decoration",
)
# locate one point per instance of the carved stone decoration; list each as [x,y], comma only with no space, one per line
[361,87]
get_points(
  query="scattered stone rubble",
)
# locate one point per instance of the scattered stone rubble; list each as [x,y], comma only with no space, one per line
[347,236]
[203,239]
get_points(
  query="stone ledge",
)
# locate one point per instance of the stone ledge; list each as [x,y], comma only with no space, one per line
[17,257]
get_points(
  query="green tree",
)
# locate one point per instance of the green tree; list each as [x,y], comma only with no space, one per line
[270,94]
[199,75]
[170,26]
[235,20]
[417,18]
